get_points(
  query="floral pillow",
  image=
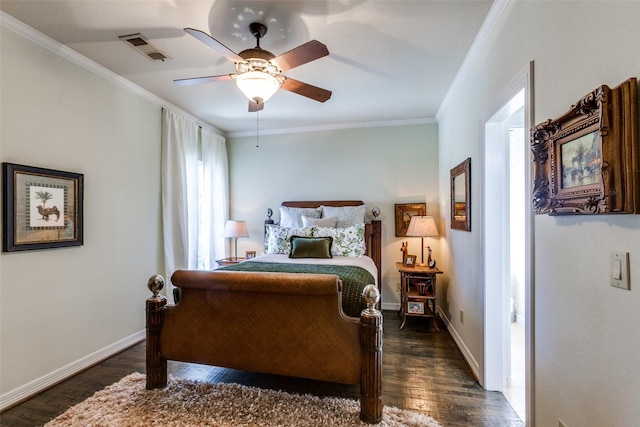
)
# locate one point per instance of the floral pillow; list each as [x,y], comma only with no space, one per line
[347,241]
[277,239]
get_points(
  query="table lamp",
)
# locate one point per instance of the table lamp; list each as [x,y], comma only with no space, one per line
[235,229]
[422,226]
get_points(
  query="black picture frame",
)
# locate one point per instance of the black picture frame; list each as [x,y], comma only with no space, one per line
[54,223]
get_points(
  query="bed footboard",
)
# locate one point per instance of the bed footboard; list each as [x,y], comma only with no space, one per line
[369,329]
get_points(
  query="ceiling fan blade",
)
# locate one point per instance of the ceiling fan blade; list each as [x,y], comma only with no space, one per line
[215,45]
[254,107]
[300,55]
[199,80]
[305,89]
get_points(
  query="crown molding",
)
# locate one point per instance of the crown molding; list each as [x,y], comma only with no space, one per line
[490,22]
[389,123]
[42,40]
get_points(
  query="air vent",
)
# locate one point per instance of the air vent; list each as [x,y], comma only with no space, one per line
[142,45]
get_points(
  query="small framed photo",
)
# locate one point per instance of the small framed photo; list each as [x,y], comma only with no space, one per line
[409,261]
[42,208]
[415,307]
[250,254]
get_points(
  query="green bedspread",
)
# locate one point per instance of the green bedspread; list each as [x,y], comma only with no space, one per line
[354,279]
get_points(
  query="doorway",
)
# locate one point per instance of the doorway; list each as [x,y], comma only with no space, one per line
[508,247]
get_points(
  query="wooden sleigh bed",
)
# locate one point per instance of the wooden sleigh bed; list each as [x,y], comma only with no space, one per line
[279,323]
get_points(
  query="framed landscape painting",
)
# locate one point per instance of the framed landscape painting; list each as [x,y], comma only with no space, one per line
[587,160]
[404,212]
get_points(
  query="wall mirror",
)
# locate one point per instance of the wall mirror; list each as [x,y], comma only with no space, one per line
[461,196]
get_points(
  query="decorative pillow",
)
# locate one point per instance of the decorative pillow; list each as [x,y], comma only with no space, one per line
[292,217]
[346,215]
[277,239]
[319,222]
[310,247]
[347,241]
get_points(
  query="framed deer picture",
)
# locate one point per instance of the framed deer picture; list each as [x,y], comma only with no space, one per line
[42,208]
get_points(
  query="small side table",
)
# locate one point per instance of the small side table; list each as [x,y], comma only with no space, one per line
[412,301]
[228,261]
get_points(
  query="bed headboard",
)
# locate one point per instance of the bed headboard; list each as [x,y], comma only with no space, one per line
[372,230]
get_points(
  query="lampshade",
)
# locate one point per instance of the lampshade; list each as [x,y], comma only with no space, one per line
[235,229]
[422,226]
[257,86]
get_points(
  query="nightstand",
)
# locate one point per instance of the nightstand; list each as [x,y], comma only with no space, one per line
[417,292]
[228,261]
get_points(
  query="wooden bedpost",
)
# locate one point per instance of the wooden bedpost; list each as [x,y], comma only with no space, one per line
[376,248]
[371,357]
[156,364]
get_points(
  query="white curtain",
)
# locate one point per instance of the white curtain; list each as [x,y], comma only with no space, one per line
[195,196]
[179,193]
[214,206]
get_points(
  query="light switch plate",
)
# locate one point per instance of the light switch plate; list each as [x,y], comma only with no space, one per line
[619,269]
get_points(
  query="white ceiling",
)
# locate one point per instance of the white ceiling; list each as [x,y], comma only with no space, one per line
[389,60]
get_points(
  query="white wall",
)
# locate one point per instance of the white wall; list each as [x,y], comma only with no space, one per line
[58,306]
[381,166]
[587,355]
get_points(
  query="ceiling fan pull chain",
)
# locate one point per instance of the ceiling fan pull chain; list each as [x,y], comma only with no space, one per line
[257,135]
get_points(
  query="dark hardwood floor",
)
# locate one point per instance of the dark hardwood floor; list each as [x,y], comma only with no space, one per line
[423,371]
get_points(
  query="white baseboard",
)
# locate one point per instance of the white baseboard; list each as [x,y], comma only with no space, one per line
[390,306]
[471,361]
[36,386]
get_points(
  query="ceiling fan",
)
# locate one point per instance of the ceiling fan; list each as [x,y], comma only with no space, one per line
[259,72]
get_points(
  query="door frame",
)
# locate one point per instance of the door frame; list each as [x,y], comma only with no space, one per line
[494,301]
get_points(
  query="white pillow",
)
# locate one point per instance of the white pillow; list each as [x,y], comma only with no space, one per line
[319,222]
[347,215]
[292,217]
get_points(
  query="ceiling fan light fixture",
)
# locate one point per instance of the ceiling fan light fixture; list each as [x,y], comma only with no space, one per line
[257,86]
[258,74]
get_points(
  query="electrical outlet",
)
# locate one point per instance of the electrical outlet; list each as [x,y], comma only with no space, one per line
[398,287]
[461,316]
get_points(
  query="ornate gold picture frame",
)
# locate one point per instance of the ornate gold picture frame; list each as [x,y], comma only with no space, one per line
[586,161]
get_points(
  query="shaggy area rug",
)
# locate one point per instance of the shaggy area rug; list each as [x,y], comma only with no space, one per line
[192,403]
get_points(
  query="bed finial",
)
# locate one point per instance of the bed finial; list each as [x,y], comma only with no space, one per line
[371,296]
[375,212]
[269,213]
[155,285]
